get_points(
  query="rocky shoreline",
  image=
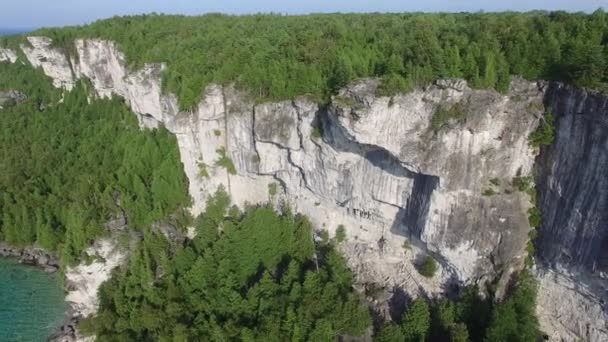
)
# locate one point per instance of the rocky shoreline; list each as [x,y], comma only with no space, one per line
[49,263]
[31,256]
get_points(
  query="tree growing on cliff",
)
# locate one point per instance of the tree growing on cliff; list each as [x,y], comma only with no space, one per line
[428,267]
[545,132]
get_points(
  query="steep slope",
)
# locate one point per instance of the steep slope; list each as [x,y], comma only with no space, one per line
[434,166]
[573,197]
[377,189]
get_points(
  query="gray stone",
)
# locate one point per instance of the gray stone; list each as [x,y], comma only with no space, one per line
[385,172]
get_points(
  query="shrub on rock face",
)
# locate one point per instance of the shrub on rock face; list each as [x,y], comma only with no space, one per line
[428,267]
[340,233]
[225,161]
[545,133]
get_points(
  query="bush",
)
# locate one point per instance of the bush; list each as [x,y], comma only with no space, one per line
[202,170]
[340,233]
[428,267]
[272,189]
[443,116]
[544,133]
[225,161]
[316,132]
[534,217]
[522,184]
[488,192]
[394,84]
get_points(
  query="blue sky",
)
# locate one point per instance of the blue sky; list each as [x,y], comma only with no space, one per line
[39,13]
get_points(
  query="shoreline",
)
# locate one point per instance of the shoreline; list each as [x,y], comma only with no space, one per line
[47,262]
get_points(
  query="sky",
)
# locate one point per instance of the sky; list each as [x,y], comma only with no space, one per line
[44,13]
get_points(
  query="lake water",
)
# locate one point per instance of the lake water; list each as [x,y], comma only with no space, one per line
[32,302]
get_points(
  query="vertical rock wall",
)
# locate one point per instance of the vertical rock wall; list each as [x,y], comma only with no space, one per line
[572,245]
[387,169]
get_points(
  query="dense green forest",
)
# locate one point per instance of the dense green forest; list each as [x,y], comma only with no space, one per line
[71,162]
[278,57]
[68,166]
[470,318]
[249,276]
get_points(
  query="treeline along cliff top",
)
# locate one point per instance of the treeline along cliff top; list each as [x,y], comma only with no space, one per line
[278,57]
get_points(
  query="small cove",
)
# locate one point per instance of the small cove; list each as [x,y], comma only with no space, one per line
[32,303]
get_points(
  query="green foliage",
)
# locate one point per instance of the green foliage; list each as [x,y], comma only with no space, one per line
[272,189]
[544,133]
[469,318]
[515,319]
[428,267]
[444,116]
[534,217]
[523,184]
[323,236]
[535,107]
[340,233]
[278,57]
[247,276]
[217,132]
[393,84]
[495,181]
[202,170]
[225,161]
[489,192]
[69,166]
[417,322]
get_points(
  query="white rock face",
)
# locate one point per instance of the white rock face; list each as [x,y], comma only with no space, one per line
[54,62]
[569,310]
[468,229]
[379,169]
[7,55]
[85,280]
[373,164]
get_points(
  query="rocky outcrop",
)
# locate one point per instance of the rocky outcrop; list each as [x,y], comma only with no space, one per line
[373,164]
[573,198]
[10,98]
[85,279]
[7,55]
[31,256]
[56,64]
[433,167]
[571,307]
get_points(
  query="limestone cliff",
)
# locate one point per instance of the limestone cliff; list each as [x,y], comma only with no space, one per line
[573,196]
[433,167]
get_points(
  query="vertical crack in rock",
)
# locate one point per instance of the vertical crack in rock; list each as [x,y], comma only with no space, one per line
[257,153]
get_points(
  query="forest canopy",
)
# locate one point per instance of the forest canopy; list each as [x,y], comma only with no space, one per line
[277,57]
[69,166]
[252,275]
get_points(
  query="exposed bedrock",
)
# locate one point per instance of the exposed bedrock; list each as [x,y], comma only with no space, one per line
[434,167]
[380,166]
[572,180]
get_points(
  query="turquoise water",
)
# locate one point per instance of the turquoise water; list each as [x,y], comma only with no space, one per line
[31,302]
